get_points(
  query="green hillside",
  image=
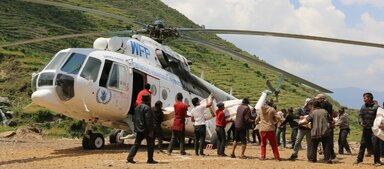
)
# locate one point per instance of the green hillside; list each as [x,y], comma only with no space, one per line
[24,20]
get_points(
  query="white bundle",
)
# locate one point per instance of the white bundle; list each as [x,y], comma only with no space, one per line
[379,121]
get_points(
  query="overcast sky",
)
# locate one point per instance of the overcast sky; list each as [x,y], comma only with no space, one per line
[327,64]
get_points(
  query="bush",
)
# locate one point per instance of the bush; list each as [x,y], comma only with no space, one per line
[43,116]
[76,128]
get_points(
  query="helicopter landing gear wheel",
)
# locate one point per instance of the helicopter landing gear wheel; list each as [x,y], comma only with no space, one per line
[96,141]
[115,136]
[86,143]
[92,140]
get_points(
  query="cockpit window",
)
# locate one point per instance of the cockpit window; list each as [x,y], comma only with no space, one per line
[74,63]
[91,69]
[55,63]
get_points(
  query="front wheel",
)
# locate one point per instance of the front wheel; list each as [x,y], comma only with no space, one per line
[97,141]
[86,143]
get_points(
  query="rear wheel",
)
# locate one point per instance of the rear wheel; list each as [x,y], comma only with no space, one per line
[114,137]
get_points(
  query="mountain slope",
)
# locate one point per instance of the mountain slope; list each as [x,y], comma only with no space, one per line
[30,20]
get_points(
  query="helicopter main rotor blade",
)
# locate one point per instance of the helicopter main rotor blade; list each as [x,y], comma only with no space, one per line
[258,62]
[64,37]
[285,35]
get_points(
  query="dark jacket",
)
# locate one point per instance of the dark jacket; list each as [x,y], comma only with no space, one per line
[291,120]
[327,106]
[157,116]
[143,119]
[368,114]
[243,117]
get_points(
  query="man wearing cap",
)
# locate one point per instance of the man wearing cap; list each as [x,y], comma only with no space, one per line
[221,122]
[143,126]
[343,123]
[320,130]
[303,131]
[199,123]
[367,116]
[268,119]
[242,122]
[158,115]
[329,108]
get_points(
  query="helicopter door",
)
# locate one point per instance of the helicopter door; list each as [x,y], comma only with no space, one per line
[119,83]
[138,85]
[155,86]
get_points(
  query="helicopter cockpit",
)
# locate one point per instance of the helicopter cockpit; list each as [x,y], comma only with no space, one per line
[63,69]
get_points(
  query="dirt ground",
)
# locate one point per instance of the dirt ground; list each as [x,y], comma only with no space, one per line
[31,152]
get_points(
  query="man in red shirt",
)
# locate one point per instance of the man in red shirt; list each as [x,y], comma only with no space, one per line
[220,129]
[144,91]
[178,127]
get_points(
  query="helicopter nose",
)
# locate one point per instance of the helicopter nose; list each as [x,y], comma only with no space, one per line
[45,98]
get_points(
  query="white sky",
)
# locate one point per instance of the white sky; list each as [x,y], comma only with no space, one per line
[327,64]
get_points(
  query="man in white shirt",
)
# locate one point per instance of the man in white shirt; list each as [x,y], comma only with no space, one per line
[199,123]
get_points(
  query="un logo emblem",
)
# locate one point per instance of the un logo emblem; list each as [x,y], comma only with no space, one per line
[103,96]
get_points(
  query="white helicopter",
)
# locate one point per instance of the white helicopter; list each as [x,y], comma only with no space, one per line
[100,84]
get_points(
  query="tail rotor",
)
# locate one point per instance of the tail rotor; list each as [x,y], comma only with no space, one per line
[276,90]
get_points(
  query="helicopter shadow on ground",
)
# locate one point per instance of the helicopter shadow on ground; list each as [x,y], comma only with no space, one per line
[69,152]
[78,151]
[117,148]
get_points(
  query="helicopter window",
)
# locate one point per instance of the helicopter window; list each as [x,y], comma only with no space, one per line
[91,69]
[186,101]
[46,79]
[74,63]
[56,61]
[153,90]
[34,79]
[118,77]
[164,94]
[186,66]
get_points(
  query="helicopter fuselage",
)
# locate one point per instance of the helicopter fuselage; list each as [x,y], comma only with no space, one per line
[99,85]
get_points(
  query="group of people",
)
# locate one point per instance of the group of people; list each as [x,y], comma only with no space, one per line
[315,121]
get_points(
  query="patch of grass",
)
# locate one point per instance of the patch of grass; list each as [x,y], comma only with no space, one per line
[57,132]
[5,128]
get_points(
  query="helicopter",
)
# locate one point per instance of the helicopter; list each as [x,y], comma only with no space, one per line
[99,85]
